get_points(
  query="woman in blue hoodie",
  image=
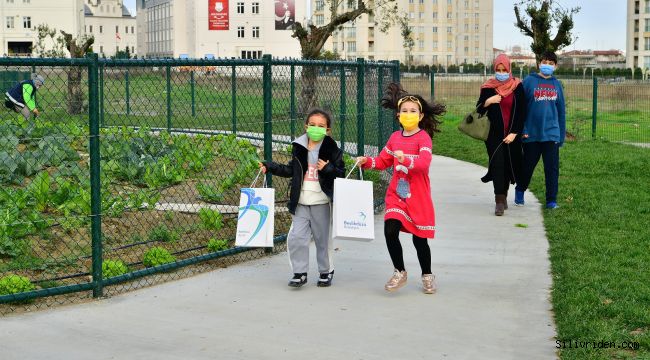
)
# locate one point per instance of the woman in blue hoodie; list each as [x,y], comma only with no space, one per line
[544,129]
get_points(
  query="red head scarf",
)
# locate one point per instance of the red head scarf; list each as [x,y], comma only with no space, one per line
[502,88]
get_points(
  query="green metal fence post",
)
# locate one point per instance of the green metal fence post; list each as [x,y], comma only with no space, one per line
[169,97]
[268,116]
[95,185]
[192,93]
[267,78]
[433,87]
[396,79]
[233,86]
[594,111]
[343,105]
[128,98]
[380,113]
[101,95]
[361,112]
[292,104]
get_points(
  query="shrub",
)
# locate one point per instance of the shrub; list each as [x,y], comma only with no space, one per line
[162,233]
[111,268]
[211,219]
[157,256]
[14,284]
[217,245]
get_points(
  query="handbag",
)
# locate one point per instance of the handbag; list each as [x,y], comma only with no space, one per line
[475,125]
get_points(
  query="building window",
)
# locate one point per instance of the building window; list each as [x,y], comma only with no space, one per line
[256,32]
[449,15]
[646,62]
[10,22]
[352,32]
[10,1]
[117,29]
[352,4]
[132,32]
[466,27]
[411,1]
[320,19]
[240,32]
[256,8]
[646,44]
[251,54]
[448,44]
[352,46]
[449,29]
[240,8]
[101,29]
[27,22]
[421,44]
[320,5]
[132,49]
[435,15]
[25,1]
[421,15]
[91,28]
[412,15]
[647,25]
[647,6]
[435,59]
[435,29]
[448,2]
[435,45]
[117,49]
[126,29]
[101,49]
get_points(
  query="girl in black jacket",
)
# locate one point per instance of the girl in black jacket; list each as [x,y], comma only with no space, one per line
[502,97]
[316,161]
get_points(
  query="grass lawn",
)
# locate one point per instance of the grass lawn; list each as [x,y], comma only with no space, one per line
[599,241]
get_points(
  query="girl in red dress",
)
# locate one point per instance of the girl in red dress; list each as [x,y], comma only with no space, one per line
[409,207]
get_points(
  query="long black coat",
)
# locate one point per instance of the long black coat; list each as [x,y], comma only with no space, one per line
[297,167]
[513,151]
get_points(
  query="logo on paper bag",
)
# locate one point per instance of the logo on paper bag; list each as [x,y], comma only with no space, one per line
[252,203]
[357,223]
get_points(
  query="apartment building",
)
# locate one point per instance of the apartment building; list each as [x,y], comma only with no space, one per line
[112,26]
[445,32]
[217,28]
[20,18]
[638,34]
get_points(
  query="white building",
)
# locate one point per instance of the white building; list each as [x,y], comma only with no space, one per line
[112,26]
[638,34]
[209,28]
[445,32]
[20,19]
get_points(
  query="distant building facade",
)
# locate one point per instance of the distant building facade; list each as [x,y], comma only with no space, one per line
[20,18]
[217,28]
[112,26]
[445,32]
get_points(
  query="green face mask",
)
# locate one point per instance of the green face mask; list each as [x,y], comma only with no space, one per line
[316,133]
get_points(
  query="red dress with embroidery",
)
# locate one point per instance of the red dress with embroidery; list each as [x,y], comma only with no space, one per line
[414,210]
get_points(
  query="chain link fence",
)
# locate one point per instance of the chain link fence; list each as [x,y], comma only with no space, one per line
[614,109]
[131,173]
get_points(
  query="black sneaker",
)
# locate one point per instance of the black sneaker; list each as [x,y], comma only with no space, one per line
[325,279]
[298,280]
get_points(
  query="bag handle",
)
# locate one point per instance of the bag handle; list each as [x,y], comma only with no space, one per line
[256,177]
[356,163]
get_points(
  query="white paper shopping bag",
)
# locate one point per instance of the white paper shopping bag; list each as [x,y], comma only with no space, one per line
[353,214]
[255,222]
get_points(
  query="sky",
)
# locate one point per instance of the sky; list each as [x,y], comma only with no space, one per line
[600,25]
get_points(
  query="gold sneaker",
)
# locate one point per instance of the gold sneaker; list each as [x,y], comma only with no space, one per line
[429,283]
[396,281]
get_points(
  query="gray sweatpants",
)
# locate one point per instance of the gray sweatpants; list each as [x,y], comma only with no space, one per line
[310,220]
[24,111]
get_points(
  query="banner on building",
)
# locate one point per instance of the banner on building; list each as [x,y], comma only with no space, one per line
[285,14]
[218,18]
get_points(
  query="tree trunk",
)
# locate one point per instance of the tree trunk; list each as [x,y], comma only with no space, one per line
[308,97]
[75,91]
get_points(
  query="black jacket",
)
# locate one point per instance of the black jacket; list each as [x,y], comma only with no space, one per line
[297,167]
[513,151]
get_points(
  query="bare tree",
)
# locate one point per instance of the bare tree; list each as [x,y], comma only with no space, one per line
[312,38]
[541,16]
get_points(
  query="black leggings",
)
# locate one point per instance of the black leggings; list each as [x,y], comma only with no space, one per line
[391,231]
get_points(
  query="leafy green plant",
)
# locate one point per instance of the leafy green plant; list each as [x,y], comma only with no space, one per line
[217,245]
[162,233]
[157,256]
[111,268]
[209,193]
[39,189]
[211,219]
[14,284]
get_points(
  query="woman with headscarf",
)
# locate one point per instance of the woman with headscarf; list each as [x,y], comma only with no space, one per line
[502,98]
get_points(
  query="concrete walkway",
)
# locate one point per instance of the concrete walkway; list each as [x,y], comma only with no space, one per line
[492,302]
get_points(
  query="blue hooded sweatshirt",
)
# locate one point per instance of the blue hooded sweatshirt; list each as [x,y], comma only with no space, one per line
[546,116]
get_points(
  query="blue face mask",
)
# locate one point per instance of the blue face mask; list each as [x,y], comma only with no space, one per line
[502,76]
[546,69]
